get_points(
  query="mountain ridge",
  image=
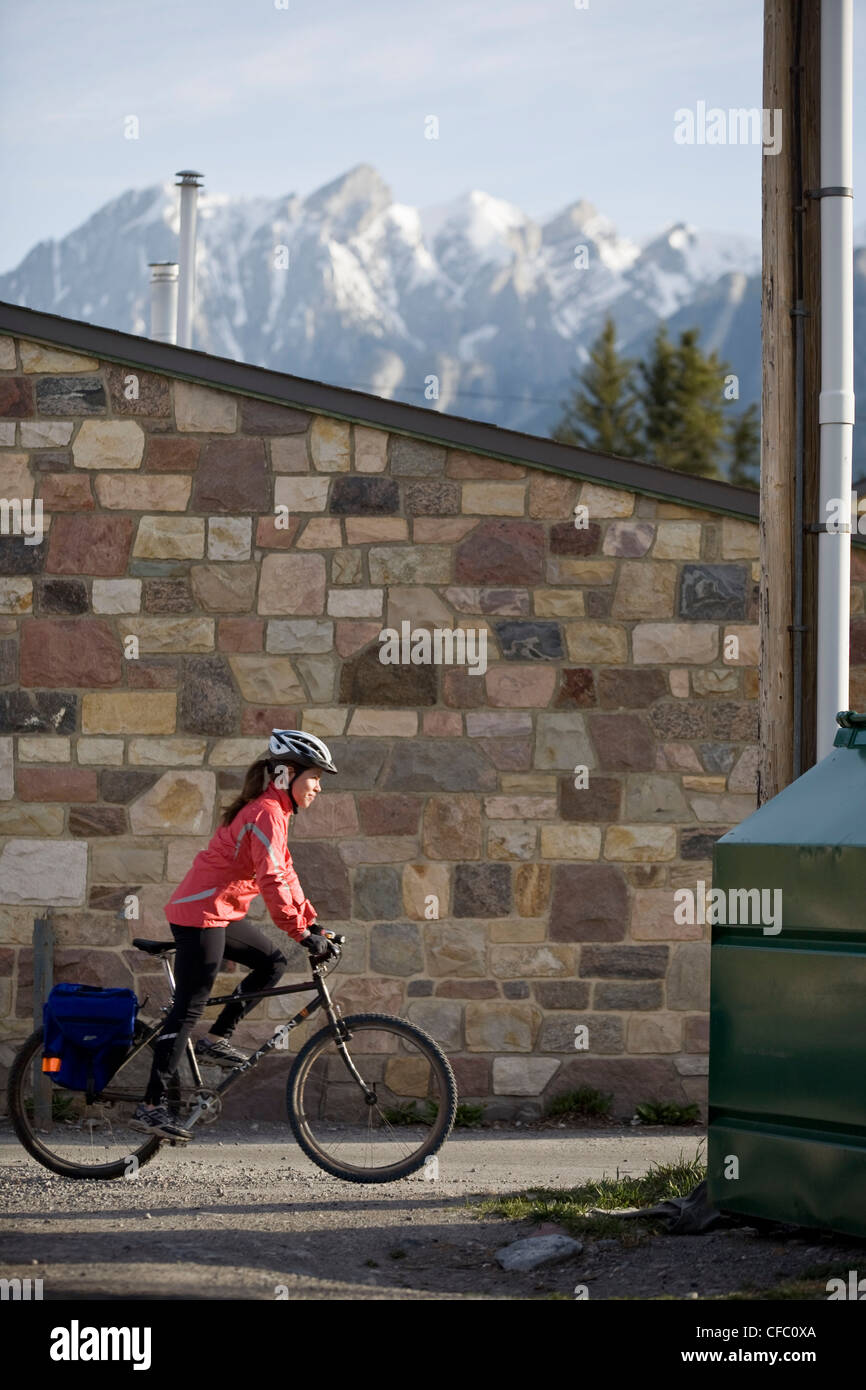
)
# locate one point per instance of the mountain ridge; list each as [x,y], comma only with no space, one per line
[499,307]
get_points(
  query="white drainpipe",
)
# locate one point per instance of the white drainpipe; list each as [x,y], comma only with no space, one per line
[163,301]
[836,401]
[189,186]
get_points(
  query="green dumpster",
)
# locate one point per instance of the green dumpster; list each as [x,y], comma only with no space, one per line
[787,1071]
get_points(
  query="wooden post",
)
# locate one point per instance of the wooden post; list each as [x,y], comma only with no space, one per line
[780,193]
[811,151]
[43,980]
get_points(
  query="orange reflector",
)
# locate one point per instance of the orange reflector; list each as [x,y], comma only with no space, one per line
[51,1063]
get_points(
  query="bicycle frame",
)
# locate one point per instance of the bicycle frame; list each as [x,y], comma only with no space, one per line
[323,1001]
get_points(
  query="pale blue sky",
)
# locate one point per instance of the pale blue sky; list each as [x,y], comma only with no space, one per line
[538,102]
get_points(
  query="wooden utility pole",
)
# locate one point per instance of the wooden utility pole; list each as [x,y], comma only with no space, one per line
[790,290]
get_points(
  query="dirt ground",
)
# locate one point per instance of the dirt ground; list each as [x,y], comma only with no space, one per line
[244,1215]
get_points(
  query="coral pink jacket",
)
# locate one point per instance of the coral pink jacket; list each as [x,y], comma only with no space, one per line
[248,857]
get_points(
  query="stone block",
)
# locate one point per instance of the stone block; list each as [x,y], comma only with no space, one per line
[229,537]
[66,395]
[494,499]
[116,595]
[209,702]
[596,643]
[715,591]
[198,409]
[441,1018]
[43,871]
[522,1076]
[502,552]
[570,841]
[42,748]
[300,635]
[267,679]
[512,840]
[330,445]
[452,827]
[69,651]
[655,798]
[161,492]
[457,951]
[96,545]
[373,496]
[629,538]
[623,742]
[409,565]
[481,890]
[180,803]
[677,540]
[415,457]
[108,444]
[562,741]
[520,687]
[395,949]
[560,603]
[232,476]
[170,538]
[227,588]
[640,843]
[66,492]
[438,765]
[292,584]
[589,903]
[122,712]
[27,818]
[663,643]
[740,539]
[376,894]
[376,723]
[38,357]
[166,633]
[605,501]
[303,493]
[370,449]
[501,1026]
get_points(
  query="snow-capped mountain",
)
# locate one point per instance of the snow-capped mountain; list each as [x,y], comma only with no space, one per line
[350,287]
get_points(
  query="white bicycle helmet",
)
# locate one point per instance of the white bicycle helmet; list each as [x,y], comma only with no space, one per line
[304,750]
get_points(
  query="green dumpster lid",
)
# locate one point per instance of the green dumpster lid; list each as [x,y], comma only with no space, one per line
[826,806]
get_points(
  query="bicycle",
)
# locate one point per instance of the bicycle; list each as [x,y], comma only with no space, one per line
[362,1101]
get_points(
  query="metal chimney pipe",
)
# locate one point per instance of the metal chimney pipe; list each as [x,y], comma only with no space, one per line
[836,401]
[189,186]
[163,301]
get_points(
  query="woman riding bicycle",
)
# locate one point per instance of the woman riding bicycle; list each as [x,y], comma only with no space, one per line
[247,855]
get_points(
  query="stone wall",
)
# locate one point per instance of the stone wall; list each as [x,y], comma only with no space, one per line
[605,647]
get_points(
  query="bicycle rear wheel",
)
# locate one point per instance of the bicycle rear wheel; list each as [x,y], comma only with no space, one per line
[375,1106]
[71,1137]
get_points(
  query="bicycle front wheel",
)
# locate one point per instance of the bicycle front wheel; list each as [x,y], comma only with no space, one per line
[71,1137]
[374,1104]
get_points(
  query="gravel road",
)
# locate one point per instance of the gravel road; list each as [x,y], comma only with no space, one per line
[241,1215]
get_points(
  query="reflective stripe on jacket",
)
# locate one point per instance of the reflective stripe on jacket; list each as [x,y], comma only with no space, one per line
[248,857]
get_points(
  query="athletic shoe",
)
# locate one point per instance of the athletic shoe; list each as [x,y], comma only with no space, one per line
[159,1121]
[219,1052]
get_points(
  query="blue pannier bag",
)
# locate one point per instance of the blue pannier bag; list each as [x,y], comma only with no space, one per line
[87,1032]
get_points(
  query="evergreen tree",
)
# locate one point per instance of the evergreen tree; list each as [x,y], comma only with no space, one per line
[744,437]
[673,414]
[684,419]
[601,413]
[658,378]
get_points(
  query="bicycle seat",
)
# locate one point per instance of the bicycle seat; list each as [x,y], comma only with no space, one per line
[153,948]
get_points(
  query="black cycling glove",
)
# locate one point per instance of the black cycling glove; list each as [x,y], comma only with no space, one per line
[317,945]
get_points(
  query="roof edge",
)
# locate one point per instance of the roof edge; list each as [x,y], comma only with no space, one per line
[451,431]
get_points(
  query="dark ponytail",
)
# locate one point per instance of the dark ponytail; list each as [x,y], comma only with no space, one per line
[256,781]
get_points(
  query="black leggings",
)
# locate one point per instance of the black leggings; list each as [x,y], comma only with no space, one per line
[200,951]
